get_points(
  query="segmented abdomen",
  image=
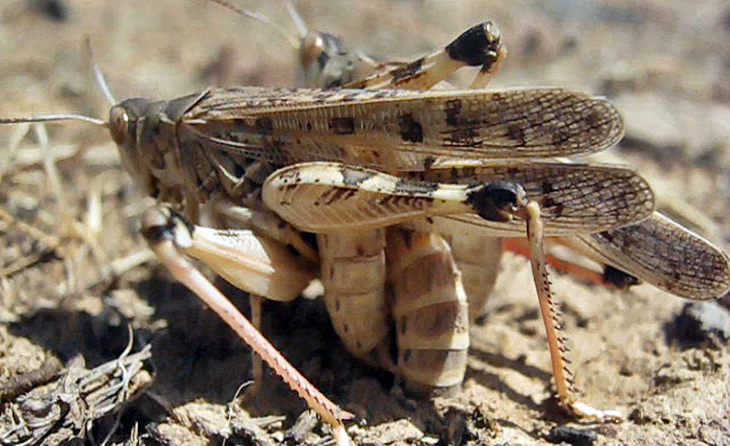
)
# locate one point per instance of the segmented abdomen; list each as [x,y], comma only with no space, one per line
[353,273]
[430,311]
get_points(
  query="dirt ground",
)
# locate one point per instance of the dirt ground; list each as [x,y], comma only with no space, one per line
[71,294]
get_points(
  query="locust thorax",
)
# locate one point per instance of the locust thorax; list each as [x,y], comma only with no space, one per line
[145,134]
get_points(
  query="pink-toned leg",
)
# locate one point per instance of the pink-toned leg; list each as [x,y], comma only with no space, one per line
[168,234]
[521,246]
[556,342]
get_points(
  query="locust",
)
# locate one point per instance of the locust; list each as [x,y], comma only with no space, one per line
[395,183]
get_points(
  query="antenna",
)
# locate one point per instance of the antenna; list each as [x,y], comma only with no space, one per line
[297,19]
[55,118]
[98,75]
[261,18]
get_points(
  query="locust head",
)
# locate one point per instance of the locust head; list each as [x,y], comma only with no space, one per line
[144,134]
[124,120]
[324,61]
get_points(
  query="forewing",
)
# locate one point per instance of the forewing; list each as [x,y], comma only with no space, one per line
[396,130]
[663,253]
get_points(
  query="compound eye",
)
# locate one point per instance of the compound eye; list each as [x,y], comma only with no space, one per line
[311,49]
[118,124]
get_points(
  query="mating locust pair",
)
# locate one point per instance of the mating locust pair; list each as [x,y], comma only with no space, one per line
[409,192]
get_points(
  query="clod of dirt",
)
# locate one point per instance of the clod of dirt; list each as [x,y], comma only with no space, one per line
[56,10]
[572,435]
[699,320]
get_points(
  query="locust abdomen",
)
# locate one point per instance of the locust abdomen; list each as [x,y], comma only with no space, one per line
[353,273]
[430,311]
